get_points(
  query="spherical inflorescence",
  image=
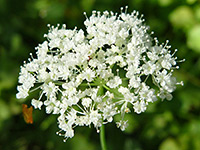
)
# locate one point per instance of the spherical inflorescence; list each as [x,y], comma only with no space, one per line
[89,77]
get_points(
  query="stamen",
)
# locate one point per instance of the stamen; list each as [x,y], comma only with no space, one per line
[126,8]
[85,14]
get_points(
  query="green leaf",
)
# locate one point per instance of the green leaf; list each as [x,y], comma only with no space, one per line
[193,38]
[169,144]
[182,17]
[4,110]
[81,142]
[100,92]
[47,122]
[165,3]
[16,42]
[191,1]
[189,99]
[87,4]
[197,12]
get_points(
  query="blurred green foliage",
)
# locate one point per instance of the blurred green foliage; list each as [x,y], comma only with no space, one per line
[170,125]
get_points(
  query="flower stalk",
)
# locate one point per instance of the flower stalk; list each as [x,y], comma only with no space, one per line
[102,137]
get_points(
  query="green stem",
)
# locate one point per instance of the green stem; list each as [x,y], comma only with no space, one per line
[102,137]
[115,92]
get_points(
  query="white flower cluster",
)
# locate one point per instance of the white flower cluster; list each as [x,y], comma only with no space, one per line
[89,77]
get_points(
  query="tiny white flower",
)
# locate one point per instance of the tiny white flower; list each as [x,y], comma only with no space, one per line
[86,102]
[123,90]
[36,103]
[139,107]
[149,68]
[89,74]
[135,82]
[124,33]
[95,117]
[69,132]
[22,92]
[49,109]
[115,82]
[122,124]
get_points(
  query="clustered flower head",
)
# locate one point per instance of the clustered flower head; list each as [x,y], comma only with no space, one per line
[87,78]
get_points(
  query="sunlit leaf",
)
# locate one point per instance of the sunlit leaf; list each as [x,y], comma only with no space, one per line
[191,1]
[182,17]
[4,111]
[194,38]
[169,144]
[165,2]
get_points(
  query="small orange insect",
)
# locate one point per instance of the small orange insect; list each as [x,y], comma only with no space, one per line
[27,113]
